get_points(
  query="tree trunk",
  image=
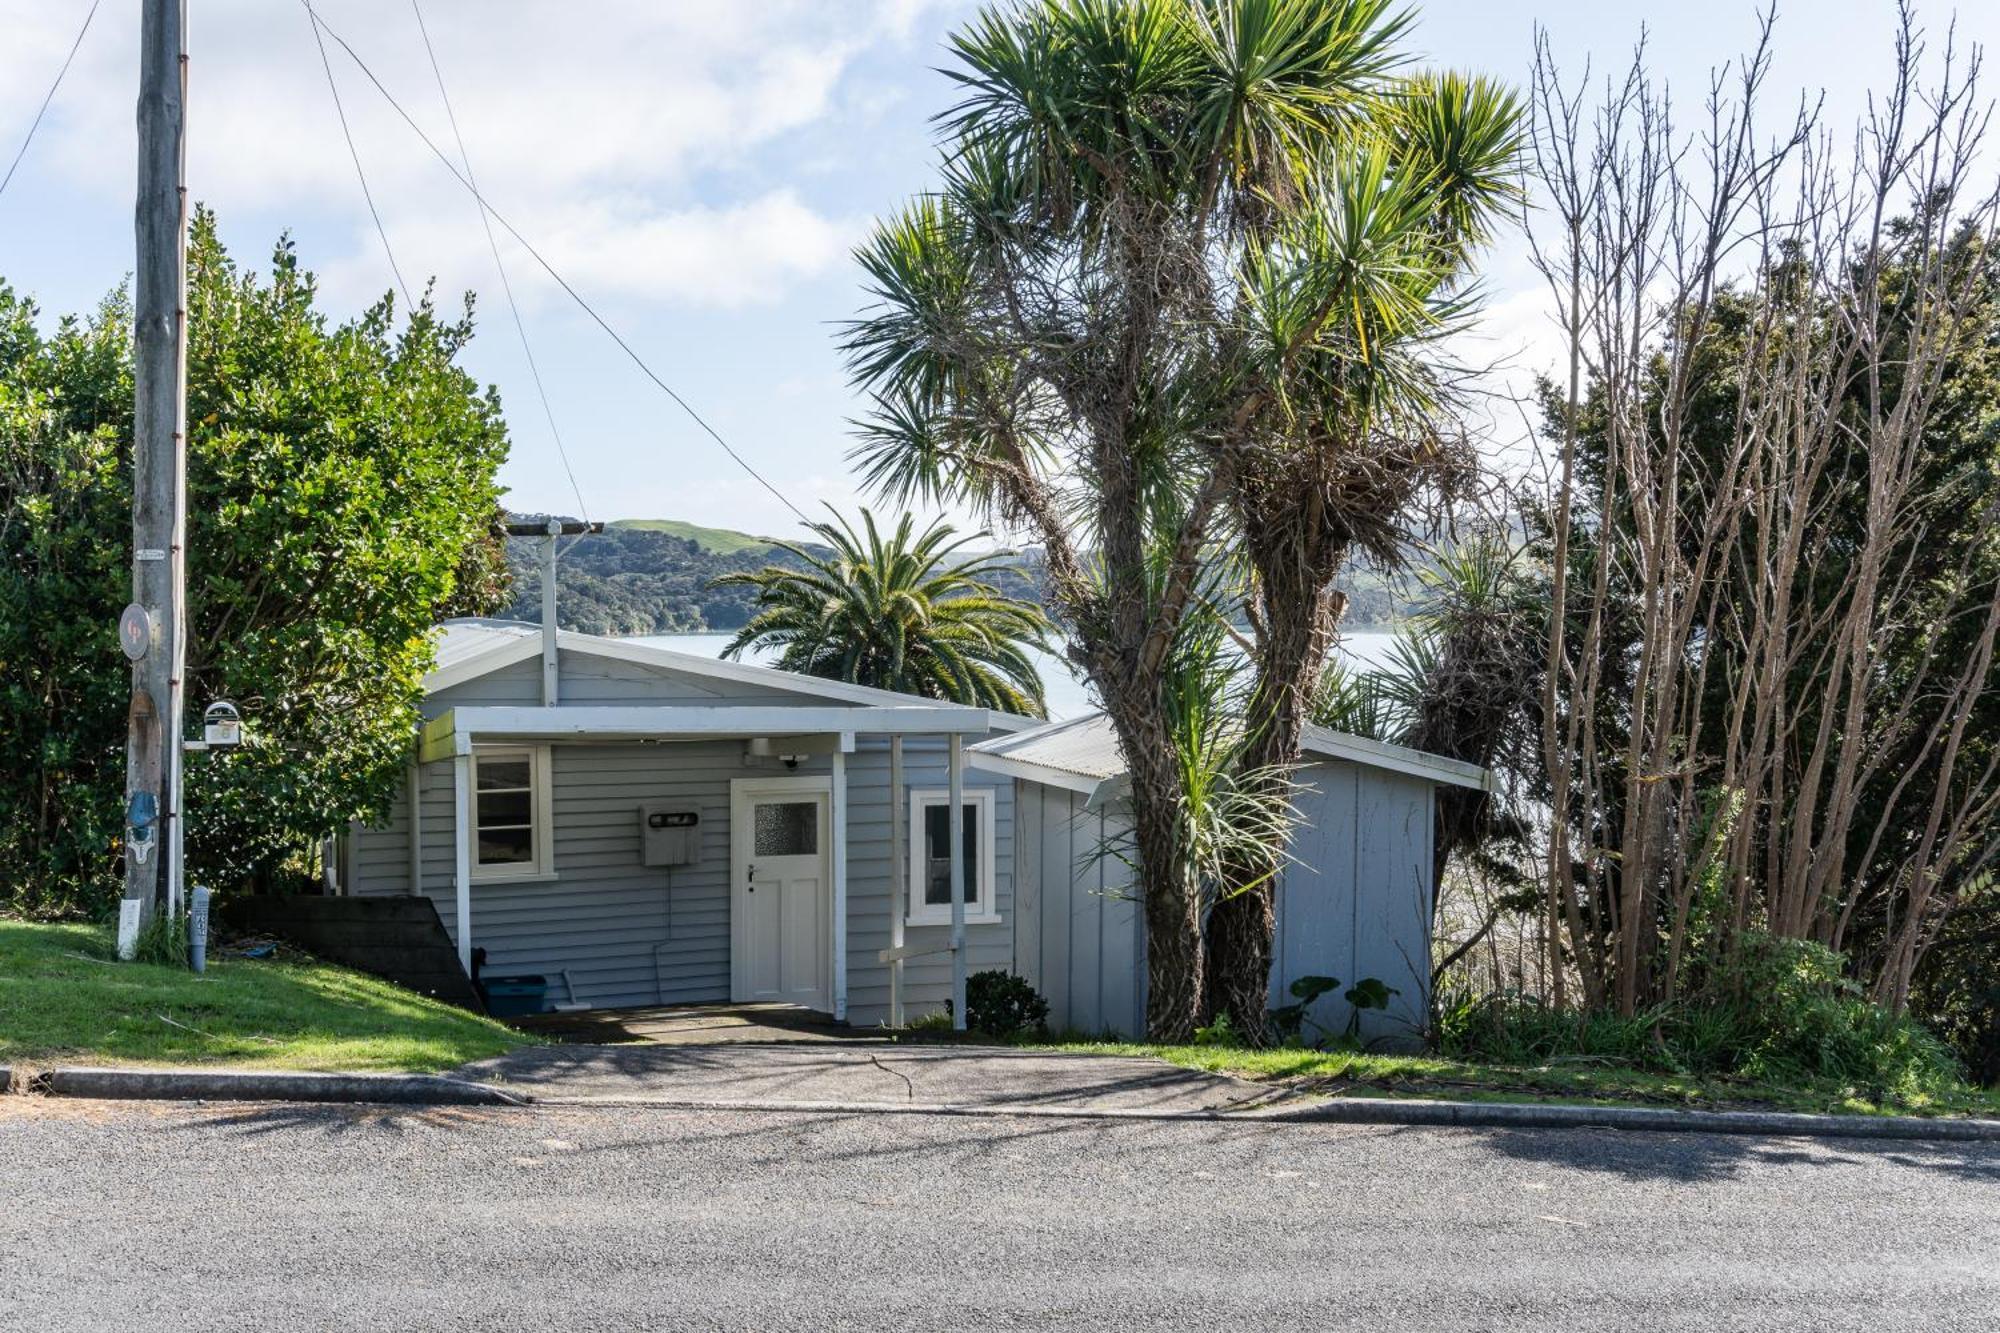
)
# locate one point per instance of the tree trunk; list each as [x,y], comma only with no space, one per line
[1174,956]
[1240,931]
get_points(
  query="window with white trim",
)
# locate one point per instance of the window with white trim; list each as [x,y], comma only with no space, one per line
[510,813]
[930,857]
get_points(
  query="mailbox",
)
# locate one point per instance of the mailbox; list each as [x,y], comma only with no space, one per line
[669,835]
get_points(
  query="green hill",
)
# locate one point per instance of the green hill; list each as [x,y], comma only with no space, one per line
[720,541]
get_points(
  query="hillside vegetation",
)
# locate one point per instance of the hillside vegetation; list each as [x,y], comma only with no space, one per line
[653,576]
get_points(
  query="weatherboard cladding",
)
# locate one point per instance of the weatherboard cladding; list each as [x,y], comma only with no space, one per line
[628,934]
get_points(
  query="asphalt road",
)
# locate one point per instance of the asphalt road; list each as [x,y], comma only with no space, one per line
[130,1216]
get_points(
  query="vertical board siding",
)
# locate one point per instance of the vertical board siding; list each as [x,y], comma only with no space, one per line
[1087,948]
[1354,903]
[1316,892]
[1392,917]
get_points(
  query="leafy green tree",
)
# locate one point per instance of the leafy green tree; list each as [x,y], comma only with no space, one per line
[342,497]
[897,613]
[1169,299]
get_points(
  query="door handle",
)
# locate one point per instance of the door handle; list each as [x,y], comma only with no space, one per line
[752,872]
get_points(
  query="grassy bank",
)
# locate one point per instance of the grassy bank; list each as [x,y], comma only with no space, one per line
[1346,1074]
[63,999]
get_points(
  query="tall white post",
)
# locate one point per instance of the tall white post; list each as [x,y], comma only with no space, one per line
[838,815]
[461,851]
[550,684]
[955,844]
[899,877]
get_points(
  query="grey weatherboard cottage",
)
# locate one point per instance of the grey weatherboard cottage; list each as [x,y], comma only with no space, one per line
[648,827]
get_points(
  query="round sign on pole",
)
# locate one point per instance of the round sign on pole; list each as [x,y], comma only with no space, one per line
[135,631]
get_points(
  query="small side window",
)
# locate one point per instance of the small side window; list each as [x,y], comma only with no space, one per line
[510,807]
[930,857]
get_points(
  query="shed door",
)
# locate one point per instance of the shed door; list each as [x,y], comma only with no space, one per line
[781,893]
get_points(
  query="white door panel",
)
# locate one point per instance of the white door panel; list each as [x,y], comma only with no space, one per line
[780,892]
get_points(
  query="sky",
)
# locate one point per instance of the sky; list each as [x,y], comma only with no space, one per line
[699,171]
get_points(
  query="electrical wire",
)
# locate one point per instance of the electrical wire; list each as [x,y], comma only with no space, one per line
[43,110]
[355,153]
[500,266]
[321,24]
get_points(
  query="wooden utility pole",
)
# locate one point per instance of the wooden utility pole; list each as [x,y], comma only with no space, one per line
[153,633]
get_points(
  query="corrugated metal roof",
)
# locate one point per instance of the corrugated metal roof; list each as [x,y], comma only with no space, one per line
[462,640]
[1087,748]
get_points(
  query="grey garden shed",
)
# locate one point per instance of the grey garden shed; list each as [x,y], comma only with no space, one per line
[1354,902]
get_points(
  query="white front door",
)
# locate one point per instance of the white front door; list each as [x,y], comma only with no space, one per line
[781,892]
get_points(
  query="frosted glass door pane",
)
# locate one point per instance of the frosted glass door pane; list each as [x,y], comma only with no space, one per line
[787,828]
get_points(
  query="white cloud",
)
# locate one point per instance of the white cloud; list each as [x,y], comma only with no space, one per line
[611,247]
[622,137]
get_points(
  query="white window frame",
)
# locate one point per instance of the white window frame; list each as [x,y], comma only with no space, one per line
[540,817]
[986,910]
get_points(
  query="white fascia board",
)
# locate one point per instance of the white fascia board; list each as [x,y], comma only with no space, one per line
[503,653]
[1395,758]
[642,722]
[521,649]
[749,673]
[1032,772]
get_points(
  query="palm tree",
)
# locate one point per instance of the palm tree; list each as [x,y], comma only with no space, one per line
[898,614]
[1172,298]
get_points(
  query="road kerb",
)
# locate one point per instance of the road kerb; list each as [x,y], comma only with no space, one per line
[1370,1111]
[255,1085]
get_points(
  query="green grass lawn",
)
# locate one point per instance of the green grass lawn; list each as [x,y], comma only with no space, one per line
[1347,1074]
[63,999]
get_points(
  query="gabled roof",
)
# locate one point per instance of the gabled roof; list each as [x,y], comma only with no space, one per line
[1081,755]
[470,648]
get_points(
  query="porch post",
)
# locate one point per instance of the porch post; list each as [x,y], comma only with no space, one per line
[839,817]
[461,851]
[899,879]
[955,844]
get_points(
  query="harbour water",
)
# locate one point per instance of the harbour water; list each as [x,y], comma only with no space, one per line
[1068,696]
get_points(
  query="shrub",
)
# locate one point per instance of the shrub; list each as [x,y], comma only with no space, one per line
[1781,1011]
[1001,1004]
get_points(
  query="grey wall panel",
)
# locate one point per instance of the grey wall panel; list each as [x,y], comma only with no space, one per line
[1091,941]
[1392,918]
[1315,907]
[1354,903]
[626,934]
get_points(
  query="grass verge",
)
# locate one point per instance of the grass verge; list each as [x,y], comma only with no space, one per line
[64,999]
[1351,1074]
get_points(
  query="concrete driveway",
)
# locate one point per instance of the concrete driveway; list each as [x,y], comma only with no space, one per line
[757,1074]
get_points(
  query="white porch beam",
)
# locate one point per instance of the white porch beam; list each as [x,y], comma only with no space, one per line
[839,813]
[955,848]
[455,731]
[461,852]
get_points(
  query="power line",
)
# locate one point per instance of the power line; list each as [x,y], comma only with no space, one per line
[550,269]
[493,244]
[354,153]
[44,108]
